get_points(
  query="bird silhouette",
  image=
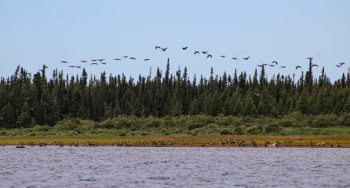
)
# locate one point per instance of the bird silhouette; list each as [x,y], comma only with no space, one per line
[223,56]
[132,58]
[275,62]
[125,56]
[297,67]
[338,66]
[314,65]
[146,59]
[164,49]
[341,63]
[94,63]
[83,61]
[117,59]
[272,65]
[196,52]
[184,48]
[282,67]
[246,58]
[103,63]
[204,52]
[64,62]
[156,47]
[234,58]
[309,58]
[209,56]
[260,65]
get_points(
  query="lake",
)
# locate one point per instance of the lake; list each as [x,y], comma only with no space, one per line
[54,166]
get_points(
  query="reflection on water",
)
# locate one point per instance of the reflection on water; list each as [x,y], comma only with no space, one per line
[174,167]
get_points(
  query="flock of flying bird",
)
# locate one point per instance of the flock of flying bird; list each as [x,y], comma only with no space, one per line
[274,63]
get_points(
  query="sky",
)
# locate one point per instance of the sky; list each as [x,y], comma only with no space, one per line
[34,33]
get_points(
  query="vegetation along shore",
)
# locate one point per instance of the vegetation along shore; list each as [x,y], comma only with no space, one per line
[171,107]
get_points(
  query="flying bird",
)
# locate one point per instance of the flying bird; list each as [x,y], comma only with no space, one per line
[83,61]
[117,59]
[341,63]
[71,66]
[246,58]
[164,49]
[338,66]
[196,52]
[264,64]
[260,65]
[157,47]
[132,58]
[93,59]
[64,62]
[125,56]
[78,67]
[275,62]
[282,67]
[297,67]
[223,56]
[146,59]
[209,56]
[204,52]
[314,65]
[184,48]
[103,63]
[101,59]
[272,65]
[94,63]
[234,58]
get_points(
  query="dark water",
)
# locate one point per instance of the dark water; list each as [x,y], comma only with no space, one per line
[174,167]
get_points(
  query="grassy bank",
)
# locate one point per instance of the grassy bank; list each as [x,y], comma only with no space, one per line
[296,140]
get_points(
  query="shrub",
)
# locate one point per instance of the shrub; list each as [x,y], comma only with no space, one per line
[224,132]
[133,133]
[286,123]
[320,122]
[254,130]
[2,133]
[39,128]
[107,124]
[32,134]
[272,128]
[144,134]
[122,134]
[238,131]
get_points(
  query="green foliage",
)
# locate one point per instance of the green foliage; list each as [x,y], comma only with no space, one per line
[254,130]
[224,132]
[272,128]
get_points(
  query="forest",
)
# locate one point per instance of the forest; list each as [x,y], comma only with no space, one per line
[170,104]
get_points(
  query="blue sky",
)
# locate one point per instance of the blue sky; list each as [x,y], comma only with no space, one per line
[34,33]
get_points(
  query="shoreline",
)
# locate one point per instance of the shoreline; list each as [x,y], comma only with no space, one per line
[296,141]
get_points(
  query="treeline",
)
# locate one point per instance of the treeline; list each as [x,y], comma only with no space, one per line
[27,100]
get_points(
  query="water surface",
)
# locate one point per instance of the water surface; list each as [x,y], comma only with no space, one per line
[174,167]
